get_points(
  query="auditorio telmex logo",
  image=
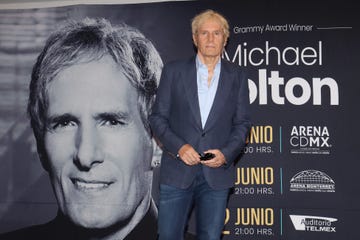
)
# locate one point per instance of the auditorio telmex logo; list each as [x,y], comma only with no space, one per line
[311,181]
[313,223]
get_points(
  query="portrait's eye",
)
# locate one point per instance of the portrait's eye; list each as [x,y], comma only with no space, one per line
[61,123]
[113,120]
[113,123]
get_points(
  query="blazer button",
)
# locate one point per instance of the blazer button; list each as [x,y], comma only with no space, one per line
[203,134]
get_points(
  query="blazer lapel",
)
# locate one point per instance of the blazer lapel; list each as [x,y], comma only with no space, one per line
[223,90]
[190,86]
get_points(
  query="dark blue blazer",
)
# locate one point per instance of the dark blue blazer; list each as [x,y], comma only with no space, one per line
[175,120]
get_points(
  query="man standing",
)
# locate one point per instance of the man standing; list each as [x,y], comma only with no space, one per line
[201,118]
[90,94]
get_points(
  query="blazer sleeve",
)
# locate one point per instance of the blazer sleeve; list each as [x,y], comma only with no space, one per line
[241,123]
[159,117]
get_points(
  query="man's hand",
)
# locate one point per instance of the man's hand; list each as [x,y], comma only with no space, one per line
[215,162]
[188,155]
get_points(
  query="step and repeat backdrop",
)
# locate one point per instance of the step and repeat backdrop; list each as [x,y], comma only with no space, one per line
[297,177]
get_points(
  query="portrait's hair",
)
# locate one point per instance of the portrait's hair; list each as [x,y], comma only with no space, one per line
[210,14]
[85,41]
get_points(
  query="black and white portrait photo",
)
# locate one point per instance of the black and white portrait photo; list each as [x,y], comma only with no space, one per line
[91,90]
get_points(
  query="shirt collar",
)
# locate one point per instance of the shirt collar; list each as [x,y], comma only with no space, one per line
[200,65]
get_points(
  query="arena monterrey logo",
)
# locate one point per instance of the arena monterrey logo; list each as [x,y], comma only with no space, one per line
[312,181]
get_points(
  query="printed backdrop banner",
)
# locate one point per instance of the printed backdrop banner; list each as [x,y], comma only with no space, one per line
[297,176]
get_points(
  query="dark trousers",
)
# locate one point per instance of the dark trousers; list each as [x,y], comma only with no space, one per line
[175,205]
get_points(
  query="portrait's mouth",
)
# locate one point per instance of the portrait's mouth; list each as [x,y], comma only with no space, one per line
[90,185]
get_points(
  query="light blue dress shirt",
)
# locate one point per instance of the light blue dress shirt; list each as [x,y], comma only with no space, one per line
[206,93]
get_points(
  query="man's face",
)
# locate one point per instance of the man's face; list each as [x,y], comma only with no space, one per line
[98,150]
[209,39]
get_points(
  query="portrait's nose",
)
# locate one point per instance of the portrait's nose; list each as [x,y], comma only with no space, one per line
[88,148]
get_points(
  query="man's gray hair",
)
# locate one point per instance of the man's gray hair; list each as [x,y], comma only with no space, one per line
[87,40]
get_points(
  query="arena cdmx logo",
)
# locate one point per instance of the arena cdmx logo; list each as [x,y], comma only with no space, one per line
[313,223]
[312,181]
[310,140]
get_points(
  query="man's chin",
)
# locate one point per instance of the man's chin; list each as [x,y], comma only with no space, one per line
[93,219]
[90,223]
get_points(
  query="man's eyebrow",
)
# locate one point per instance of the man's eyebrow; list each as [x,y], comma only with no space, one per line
[60,117]
[112,115]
